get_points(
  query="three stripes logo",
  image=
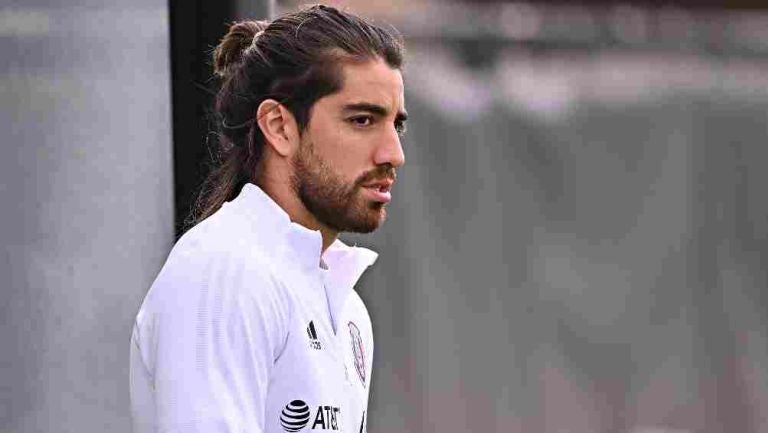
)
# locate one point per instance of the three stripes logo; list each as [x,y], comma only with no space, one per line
[312,333]
[295,416]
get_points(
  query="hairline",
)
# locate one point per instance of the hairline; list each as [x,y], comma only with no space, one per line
[336,59]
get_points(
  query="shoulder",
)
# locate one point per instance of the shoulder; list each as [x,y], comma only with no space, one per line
[356,308]
[220,264]
[216,290]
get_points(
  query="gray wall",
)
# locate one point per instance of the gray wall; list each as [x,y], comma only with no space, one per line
[577,243]
[85,193]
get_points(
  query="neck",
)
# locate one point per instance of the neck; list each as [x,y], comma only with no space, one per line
[282,193]
[300,215]
[329,237]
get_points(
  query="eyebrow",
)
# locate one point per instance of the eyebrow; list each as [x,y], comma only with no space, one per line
[402,116]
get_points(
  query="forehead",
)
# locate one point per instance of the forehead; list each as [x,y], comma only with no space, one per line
[372,81]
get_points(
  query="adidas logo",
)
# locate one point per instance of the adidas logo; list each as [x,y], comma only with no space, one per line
[313,341]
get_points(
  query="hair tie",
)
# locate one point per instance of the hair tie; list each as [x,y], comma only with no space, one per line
[240,126]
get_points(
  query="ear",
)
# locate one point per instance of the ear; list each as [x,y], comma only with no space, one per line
[278,126]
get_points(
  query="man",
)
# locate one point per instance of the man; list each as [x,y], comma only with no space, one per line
[253,325]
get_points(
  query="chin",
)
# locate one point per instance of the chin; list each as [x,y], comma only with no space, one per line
[369,220]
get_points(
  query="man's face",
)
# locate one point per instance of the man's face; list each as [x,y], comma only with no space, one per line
[345,166]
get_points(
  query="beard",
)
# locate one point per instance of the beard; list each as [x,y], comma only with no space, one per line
[335,203]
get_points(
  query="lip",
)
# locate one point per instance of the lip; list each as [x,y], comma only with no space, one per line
[379,196]
[383,184]
[380,190]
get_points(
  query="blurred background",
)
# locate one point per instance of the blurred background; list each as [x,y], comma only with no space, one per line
[578,241]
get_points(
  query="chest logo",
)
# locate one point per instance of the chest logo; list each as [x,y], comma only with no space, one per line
[358,350]
[297,414]
[312,333]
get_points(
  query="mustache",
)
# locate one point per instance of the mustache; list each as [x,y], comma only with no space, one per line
[382,172]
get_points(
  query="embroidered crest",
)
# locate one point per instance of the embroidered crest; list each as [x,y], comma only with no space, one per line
[358,350]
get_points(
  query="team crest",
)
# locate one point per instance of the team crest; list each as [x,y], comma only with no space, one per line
[358,350]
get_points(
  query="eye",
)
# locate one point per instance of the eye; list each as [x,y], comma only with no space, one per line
[400,128]
[361,120]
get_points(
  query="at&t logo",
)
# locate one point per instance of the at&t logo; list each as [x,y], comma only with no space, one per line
[296,415]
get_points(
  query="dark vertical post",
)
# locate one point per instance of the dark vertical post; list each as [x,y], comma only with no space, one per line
[196,27]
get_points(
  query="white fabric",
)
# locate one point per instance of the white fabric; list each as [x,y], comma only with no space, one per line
[222,342]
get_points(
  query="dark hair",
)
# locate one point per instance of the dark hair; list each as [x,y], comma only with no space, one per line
[296,59]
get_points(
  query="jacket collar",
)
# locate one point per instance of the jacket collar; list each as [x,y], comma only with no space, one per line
[302,247]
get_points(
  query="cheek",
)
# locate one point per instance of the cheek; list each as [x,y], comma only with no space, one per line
[345,151]
[348,158]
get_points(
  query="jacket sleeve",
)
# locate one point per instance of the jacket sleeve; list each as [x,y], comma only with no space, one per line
[209,339]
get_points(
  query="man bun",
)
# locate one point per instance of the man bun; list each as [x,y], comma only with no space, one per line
[229,53]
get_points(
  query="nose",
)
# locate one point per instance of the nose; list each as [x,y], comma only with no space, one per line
[390,151]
